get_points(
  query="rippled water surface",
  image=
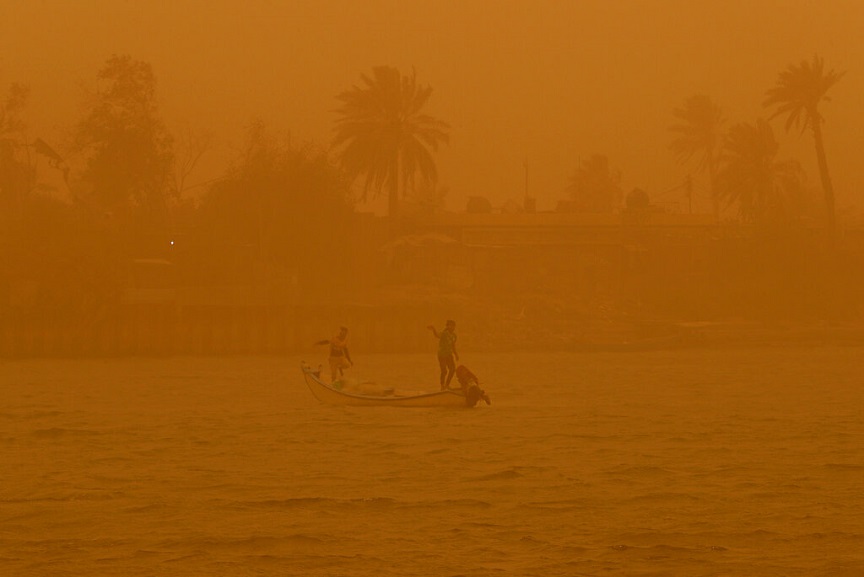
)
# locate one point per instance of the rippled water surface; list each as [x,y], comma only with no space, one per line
[733,462]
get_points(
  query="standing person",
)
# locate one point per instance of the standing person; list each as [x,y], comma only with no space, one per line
[340,358]
[447,355]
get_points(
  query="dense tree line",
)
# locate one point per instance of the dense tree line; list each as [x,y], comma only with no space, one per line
[71,224]
[71,221]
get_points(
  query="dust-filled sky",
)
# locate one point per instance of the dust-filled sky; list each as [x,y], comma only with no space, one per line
[538,83]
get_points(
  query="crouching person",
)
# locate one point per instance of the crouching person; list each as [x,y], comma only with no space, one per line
[471,386]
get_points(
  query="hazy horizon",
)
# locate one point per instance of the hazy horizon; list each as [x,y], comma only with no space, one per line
[667,394]
[543,83]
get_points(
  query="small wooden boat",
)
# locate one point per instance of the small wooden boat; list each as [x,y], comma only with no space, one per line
[366,396]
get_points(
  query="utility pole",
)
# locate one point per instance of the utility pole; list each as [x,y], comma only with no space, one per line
[528,204]
[689,186]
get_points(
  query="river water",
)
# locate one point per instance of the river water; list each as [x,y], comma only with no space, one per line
[694,462]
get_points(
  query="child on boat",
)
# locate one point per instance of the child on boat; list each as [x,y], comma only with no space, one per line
[340,358]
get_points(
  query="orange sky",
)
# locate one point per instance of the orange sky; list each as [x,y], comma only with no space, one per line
[547,81]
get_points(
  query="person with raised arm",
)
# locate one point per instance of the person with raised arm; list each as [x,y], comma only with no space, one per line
[340,358]
[447,355]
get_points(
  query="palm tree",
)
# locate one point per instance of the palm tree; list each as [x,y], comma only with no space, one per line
[799,90]
[385,136]
[751,176]
[699,131]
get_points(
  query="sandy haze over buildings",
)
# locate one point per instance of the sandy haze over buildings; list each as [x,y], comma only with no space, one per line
[541,84]
[671,394]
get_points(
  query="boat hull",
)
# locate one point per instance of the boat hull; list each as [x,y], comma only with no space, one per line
[331,396]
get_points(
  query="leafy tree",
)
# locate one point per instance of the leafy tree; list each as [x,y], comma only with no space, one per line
[128,150]
[699,132]
[283,206]
[384,135]
[47,245]
[16,170]
[594,187]
[11,108]
[799,91]
[766,190]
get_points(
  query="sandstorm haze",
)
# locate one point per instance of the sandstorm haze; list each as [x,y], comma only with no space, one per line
[675,379]
[542,83]
[552,176]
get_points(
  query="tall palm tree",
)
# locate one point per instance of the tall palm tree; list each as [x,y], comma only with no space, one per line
[699,130]
[799,90]
[751,176]
[384,135]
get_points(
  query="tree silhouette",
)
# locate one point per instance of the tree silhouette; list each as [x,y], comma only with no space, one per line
[799,90]
[594,187]
[384,135]
[188,150]
[44,241]
[699,132]
[751,176]
[129,150]
[16,170]
[288,204]
[11,108]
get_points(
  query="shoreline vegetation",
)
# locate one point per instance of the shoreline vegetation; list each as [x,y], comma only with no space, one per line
[535,282]
[273,254]
[518,282]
